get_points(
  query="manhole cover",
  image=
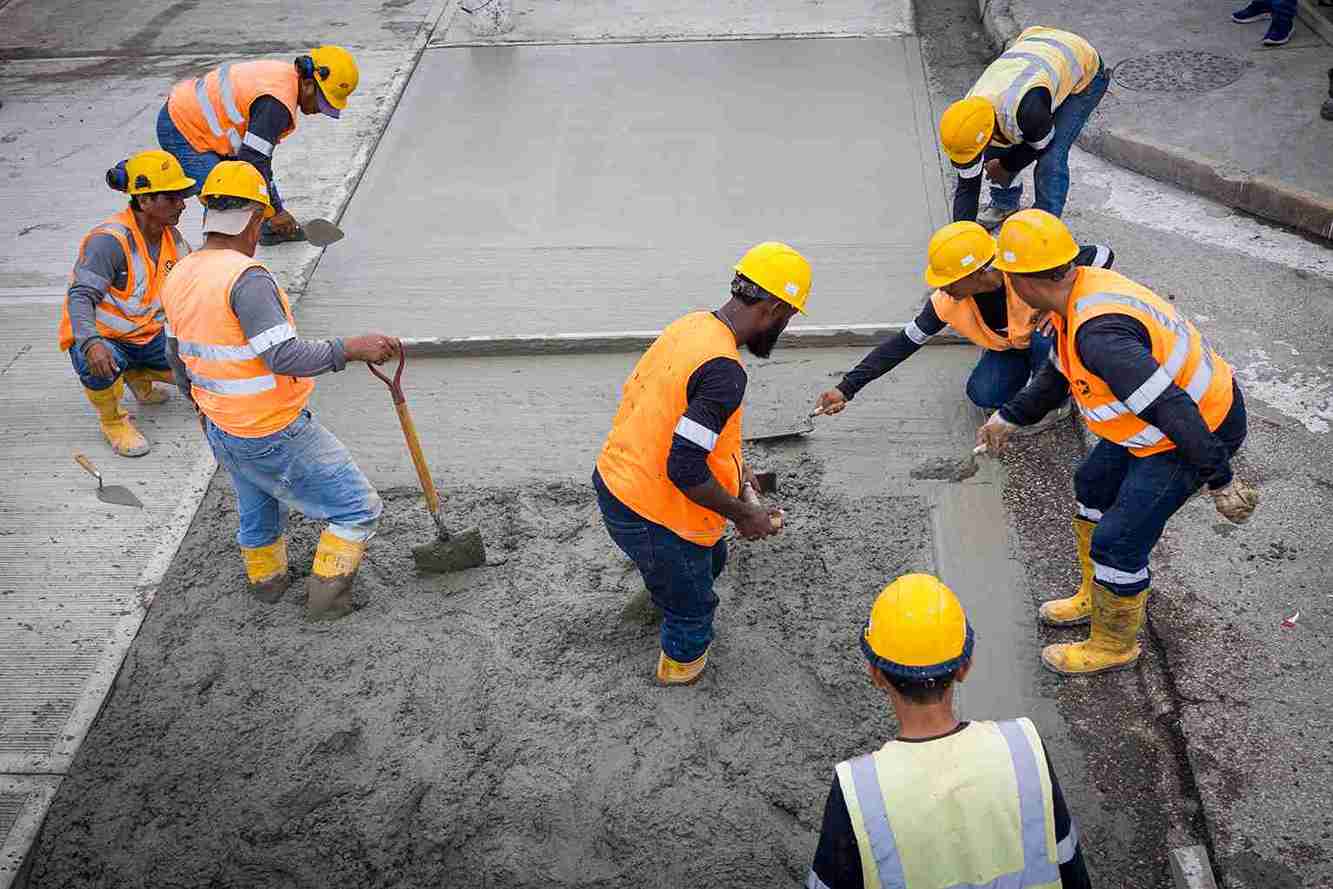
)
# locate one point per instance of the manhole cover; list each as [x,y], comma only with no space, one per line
[1178,70]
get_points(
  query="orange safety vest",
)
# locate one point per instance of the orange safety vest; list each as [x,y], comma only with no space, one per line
[230,381]
[964,316]
[132,314]
[1185,357]
[633,462]
[213,112]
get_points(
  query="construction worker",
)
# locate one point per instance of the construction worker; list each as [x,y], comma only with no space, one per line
[946,803]
[1166,406]
[978,302]
[233,345]
[1029,105]
[112,314]
[671,473]
[242,110]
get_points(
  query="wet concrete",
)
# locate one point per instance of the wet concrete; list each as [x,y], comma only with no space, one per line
[544,189]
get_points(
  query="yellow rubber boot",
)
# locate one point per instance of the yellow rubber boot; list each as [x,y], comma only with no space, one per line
[266,569]
[671,672]
[140,380]
[1114,642]
[1075,609]
[328,590]
[116,426]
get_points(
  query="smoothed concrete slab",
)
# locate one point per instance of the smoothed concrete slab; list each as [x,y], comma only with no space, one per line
[567,21]
[609,187]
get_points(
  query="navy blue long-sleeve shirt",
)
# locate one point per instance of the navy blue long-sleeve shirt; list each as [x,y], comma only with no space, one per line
[269,119]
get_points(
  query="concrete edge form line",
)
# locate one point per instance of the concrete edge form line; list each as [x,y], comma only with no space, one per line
[1257,195]
[692,38]
[1190,868]
[25,793]
[814,337]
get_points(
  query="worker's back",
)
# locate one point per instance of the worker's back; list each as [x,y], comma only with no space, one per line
[970,808]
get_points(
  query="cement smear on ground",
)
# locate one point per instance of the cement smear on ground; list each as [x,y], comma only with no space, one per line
[497,727]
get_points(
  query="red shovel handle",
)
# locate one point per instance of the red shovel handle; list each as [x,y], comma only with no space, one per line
[396,384]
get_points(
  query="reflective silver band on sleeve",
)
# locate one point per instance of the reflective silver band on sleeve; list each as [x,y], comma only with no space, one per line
[696,432]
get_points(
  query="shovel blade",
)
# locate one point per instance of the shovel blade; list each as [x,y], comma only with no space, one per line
[461,551]
[119,495]
[321,232]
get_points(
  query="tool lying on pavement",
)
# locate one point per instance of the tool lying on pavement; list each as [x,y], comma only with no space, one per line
[118,494]
[321,232]
[451,552]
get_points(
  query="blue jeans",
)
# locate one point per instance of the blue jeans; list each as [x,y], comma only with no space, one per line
[679,574]
[1282,10]
[1051,178]
[1131,498]
[999,375]
[197,164]
[152,354]
[303,466]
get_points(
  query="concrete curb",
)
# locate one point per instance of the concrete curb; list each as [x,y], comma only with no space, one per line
[1190,868]
[1320,23]
[821,337]
[1258,195]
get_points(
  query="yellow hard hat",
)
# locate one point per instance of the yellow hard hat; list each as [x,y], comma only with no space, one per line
[966,127]
[1033,240]
[917,629]
[237,179]
[152,171]
[335,73]
[956,251]
[780,270]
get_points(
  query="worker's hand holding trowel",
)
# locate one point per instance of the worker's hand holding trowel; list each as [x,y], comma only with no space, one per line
[758,521]
[829,403]
[994,434]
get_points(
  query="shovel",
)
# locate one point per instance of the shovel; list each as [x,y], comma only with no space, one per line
[117,494]
[321,232]
[449,552]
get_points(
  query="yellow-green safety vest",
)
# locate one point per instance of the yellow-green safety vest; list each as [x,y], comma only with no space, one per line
[969,810]
[1062,62]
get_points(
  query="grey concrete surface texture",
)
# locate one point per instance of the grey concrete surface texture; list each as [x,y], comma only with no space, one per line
[559,21]
[606,187]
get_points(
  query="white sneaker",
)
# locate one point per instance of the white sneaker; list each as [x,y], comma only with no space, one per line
[1060,413]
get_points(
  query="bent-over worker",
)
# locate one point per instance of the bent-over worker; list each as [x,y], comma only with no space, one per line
[670,474]
[946,803]
[977,301]
[242,110]
[234,347]
[1029,105]
[112,314]
[1168,411]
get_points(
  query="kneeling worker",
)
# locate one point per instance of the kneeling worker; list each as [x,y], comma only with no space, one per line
[1167,408]
[946,803]
[671,472]
[233,344]
[978,302]
[112,315]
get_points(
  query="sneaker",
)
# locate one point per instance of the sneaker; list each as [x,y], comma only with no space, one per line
[1257,11]
[1279,32]
[1060,413]
[1326,110]
[993,217]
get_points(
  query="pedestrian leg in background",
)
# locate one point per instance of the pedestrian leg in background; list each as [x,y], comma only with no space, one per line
[1283,23]
[104,394]
[1326,110]
[1051,177]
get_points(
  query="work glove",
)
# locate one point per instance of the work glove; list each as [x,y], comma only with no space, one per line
[1236,501]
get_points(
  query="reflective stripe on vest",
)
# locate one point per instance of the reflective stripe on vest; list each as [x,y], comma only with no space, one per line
[1184,358]
[1037,850]
[633,461]
[133,313]
[212,111]
[1062,62]
[232,384]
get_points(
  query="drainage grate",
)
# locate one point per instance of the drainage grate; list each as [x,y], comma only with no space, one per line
[1179,70]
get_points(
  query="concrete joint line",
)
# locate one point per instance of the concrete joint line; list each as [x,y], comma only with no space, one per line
[813,337]
[894,34]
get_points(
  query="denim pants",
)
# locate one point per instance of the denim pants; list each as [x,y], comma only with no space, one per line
[1282,10]
[999,376]
[1131,498]
[303,466]
[1051,178]
[128,356]
[196,164]
[679,574]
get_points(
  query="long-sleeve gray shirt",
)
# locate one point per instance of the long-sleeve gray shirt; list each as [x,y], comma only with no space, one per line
[254,300]
[100,266]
